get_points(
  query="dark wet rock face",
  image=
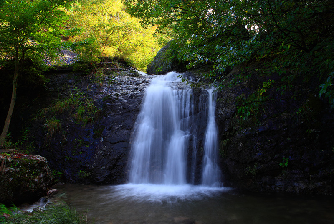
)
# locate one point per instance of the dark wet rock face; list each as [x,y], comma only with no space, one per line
[88,141]
[120,109]
[23,178]
[284,149]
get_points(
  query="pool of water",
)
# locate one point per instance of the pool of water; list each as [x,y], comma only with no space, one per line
[161,204]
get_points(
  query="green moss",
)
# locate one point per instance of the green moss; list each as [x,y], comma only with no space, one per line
[77,108]
[251,170]
[83,174]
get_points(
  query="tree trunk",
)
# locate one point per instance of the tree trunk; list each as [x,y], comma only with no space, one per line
[12,102]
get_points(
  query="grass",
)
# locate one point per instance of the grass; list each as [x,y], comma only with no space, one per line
[58,213]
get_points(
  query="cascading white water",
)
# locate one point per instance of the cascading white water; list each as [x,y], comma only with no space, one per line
[211,172]
[162,133]
[159,143]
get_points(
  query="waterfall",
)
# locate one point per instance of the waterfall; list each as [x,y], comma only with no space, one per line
[211,171]
[161,140]
[159,144]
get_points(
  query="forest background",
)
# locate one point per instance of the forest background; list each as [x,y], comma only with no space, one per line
[292,39]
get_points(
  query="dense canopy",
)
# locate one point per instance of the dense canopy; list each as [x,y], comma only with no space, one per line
[293,38]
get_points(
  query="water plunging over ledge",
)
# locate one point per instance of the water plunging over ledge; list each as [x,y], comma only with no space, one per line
[161,138]
[211,172]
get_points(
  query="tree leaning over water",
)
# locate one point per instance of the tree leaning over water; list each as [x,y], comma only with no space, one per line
[28,30]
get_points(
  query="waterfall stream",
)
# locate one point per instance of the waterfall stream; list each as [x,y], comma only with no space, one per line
[162,133]
[211,172]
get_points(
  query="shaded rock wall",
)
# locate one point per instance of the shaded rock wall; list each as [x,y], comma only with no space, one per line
[89,143]
[285,148]
[121,105]
[195,149]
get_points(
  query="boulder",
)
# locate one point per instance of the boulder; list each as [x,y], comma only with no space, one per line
[23,178]
[165,61]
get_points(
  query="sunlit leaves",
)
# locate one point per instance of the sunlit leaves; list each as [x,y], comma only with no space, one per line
[241,28]
[35,27]
[112,31]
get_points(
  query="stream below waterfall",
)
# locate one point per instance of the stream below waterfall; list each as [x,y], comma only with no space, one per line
[149,204]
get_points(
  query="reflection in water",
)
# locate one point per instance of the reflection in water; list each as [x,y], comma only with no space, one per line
[150,204]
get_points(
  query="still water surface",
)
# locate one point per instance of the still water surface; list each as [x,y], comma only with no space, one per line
[154,204]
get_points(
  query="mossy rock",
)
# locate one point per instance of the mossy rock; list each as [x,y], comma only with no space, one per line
[166,61]
[23,178]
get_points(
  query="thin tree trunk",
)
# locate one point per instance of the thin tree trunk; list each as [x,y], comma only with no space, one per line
[12,102]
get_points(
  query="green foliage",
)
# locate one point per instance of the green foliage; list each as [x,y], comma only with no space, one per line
[103,28]
[31,27]
[28,30]
[6,212]
[252,170]
[251,105]
[83,174]
[23,141]
[57,175]
[53,125]
[58,213]
[327,89]
[9,144]
[285,162]
[76,107]
[291,38]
